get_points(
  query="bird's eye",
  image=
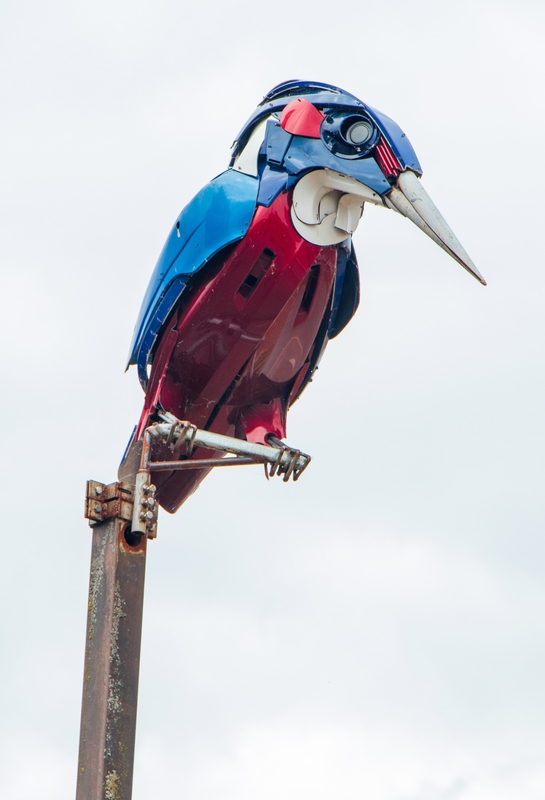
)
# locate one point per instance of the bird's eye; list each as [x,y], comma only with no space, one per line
[349,135]
[359,132]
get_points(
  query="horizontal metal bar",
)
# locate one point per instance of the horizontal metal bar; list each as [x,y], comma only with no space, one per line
[239,447]
[201,463]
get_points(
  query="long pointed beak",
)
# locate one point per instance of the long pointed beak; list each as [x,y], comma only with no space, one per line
[411,199]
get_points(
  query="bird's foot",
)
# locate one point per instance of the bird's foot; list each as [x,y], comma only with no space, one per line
[296,463]
[181,435]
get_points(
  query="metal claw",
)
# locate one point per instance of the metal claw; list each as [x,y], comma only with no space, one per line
[276,465]
[181,433]
[294,466]
[291,465]
[191,442]
[170,437]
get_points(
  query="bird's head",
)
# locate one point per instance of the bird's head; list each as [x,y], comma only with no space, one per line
[336,153]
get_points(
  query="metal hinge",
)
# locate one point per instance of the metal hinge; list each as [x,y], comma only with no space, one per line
[106,501]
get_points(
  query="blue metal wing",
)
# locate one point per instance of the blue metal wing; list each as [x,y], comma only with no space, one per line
[218,215]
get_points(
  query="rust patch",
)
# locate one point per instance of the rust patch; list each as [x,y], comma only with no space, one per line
[115,684]
[131,542]
[103,502]
[112,786]
[95,587]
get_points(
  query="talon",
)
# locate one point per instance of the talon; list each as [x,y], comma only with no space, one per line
[181,433]
[290,468]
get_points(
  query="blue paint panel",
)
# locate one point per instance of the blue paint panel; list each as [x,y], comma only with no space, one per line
[305,154]
[295,88]
[342,258]
[271,183]
[159,317]
[218,215]
[399,141]
[346,296]
[276,143]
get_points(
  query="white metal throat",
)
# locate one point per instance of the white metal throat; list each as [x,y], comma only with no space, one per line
[327,206]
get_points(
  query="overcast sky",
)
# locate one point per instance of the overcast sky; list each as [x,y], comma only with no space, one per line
[375,630]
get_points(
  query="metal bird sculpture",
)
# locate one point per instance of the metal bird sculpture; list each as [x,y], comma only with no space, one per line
[259,271]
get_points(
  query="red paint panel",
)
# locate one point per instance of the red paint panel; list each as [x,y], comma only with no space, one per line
[386,159]
[231,354]
[261,419]
[302,118]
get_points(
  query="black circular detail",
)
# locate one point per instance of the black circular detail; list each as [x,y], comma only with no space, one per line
[349,135]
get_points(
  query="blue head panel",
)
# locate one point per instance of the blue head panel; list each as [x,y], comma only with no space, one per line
[219,215]
[284,158]
[324,96]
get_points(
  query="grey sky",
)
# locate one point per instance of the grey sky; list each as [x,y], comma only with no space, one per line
[376,630]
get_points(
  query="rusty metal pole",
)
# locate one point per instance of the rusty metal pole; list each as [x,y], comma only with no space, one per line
[112,653]
[123,517]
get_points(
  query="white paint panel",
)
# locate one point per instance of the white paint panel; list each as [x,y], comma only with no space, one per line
[327,206]
[247,160]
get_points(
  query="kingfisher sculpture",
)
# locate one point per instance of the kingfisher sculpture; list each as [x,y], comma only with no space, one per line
[259,271]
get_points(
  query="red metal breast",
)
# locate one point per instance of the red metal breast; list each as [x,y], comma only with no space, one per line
[239,344]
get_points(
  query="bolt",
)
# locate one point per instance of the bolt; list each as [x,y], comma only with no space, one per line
[149,515]
[98,490]
[98,508]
